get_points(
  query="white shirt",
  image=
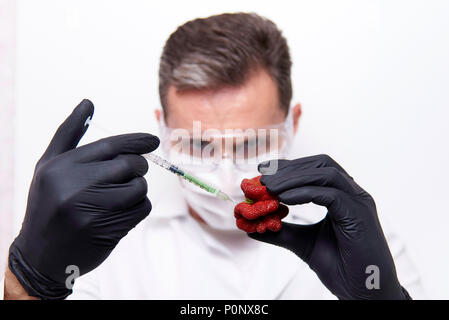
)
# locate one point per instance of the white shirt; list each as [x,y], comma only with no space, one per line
[170,255]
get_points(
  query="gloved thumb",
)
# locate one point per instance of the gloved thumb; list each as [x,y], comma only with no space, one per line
[299,239]
[70,131]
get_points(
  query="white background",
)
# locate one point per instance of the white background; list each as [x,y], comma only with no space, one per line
[372,76]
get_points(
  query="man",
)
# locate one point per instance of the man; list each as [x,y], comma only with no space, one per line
[230,71]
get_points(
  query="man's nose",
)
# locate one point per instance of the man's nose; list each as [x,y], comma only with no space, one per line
[228,169]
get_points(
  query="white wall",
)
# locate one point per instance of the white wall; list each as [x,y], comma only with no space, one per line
[373,78]
[7,56]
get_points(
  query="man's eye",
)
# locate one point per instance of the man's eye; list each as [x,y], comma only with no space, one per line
[199,143]
[251,143]
[205,148]
[248,144]
[246,148]
[245,144]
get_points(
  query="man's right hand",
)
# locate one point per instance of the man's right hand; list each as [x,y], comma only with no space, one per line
[81,202]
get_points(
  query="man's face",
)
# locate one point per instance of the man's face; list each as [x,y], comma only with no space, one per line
[254,104]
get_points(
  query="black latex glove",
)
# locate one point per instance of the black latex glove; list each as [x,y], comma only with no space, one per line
[81,202]
[340,247]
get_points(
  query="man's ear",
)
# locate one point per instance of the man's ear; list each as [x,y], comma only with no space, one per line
[297,111]
[158,114]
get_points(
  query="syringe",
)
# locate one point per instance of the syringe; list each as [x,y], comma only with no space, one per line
[176,170]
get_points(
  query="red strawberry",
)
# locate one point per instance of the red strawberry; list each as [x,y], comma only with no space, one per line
[257,209]
[260,211]
[254,190]
[271,221]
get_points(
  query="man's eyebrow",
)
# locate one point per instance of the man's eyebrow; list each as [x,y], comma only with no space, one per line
[235,141]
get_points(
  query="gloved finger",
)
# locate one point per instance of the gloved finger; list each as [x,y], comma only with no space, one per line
[109,148]
[317,161]
[299,239]
[119,223]
[331,198]
[121,169]
[326,177]
[272,167]
[70,131]
[119,196]
[133,215]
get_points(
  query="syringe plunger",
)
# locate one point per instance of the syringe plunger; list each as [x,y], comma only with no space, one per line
[158,160]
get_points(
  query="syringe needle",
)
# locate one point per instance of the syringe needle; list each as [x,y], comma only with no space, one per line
[186,176]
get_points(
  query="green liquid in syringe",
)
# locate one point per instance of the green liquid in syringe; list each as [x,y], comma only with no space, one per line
[199,183]
[174,169]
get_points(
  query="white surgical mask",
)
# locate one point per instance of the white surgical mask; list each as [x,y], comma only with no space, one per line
[217,213]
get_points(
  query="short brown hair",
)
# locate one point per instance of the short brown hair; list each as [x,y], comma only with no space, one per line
[222,50]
